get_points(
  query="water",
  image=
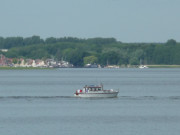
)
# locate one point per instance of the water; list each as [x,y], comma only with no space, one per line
[41,102]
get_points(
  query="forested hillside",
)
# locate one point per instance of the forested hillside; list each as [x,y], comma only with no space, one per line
[94,50]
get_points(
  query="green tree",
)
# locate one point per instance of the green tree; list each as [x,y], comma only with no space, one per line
[110,58]
[171,42]
[15,61]
[90,60]
[33,40]
[50,40]
[1,42]
[136,56]
[76,57]
[58,54]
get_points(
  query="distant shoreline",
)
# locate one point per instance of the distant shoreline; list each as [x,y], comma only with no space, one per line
[22,68]
[163,66]
[40,68]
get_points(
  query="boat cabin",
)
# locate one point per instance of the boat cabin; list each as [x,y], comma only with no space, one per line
[93,88]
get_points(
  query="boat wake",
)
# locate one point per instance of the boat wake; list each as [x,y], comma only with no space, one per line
[150,98]
[35,97]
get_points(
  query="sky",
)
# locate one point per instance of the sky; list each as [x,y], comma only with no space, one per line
[125,20]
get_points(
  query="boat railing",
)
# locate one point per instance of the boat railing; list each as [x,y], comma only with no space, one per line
[111,90]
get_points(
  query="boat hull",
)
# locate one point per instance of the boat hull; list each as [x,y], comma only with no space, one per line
[98,95]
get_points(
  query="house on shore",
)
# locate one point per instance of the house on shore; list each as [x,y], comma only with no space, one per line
[5,61]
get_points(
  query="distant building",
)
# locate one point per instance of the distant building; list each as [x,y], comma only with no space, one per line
[112,66]
[29,62]
[33,63]
[64,64]
[5,61]
[4,50]
[2,60]
[51,63]
[91,66]
[40,63]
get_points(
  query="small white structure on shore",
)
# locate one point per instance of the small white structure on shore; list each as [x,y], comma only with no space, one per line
[143,66]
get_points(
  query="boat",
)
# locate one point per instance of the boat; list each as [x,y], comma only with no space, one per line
[95,91]
[143,66]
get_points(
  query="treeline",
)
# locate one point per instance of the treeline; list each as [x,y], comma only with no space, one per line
[11,42]
[94,50]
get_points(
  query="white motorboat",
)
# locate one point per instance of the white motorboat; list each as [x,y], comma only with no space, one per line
[143,66]
[95,91]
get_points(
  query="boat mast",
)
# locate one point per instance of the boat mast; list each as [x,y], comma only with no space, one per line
[101,86]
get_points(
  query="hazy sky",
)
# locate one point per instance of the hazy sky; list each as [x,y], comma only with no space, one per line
[125,20]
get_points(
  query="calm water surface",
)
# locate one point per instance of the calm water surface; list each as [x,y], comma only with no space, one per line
[41,102]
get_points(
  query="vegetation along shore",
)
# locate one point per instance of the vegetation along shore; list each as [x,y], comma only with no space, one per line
[76,52]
